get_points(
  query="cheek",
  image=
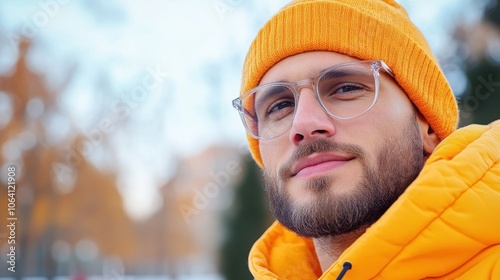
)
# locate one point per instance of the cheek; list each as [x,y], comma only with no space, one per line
[378,127]
[394,103]
[270,153]
[390,114]
[267,156]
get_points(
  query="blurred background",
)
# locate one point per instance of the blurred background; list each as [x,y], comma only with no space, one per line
[129,159]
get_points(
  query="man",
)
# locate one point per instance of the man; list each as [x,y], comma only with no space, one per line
[353,123]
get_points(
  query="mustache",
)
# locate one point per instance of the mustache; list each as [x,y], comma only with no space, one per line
[318,146]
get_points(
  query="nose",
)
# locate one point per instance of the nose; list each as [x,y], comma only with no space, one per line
[310,121]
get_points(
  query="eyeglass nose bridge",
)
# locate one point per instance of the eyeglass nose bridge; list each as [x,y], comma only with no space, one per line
[308,83]
[299,85]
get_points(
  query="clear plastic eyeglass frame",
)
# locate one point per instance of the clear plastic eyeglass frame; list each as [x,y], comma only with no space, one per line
[246,116]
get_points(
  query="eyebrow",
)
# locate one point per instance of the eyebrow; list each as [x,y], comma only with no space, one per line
[312,72]
[269,92]
[340,74]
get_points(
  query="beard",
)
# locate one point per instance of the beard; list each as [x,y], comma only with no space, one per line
[396,165]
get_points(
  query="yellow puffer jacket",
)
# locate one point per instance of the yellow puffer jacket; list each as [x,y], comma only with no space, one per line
[445,226]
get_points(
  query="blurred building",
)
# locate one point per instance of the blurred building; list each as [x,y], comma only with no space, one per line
[188,229]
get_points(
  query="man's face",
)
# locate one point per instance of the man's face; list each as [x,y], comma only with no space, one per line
[327,176]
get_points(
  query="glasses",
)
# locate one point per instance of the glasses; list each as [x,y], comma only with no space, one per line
[344,91]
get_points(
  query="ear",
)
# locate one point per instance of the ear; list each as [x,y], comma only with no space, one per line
[429,138]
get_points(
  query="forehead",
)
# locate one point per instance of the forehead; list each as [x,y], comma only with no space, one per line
[303,65]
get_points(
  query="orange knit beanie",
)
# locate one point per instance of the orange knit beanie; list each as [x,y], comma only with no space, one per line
[367,30]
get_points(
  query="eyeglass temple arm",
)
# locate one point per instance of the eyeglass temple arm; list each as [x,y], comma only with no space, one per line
[238,106]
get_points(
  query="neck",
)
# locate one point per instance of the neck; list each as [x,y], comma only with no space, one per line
[329,248]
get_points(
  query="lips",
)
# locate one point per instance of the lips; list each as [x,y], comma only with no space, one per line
[318,163]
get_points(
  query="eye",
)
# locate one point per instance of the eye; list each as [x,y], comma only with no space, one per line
[345,83]
[343,91]
[279,106]
[347,88]
[274,102]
